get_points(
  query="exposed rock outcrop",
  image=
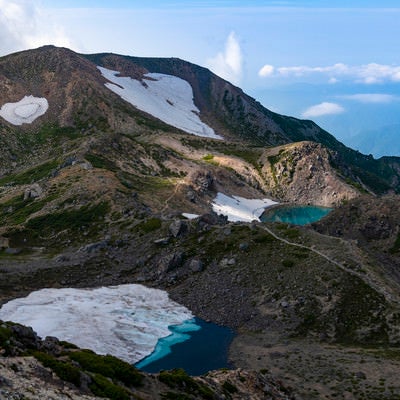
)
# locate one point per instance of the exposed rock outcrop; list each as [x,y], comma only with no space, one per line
[302,173]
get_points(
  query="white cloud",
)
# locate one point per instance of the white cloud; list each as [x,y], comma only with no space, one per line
[371,97]
[321,109]
[23,25]
[266,70]
[228,64]
[367,73]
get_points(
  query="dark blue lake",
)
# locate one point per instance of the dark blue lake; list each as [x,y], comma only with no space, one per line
[296,215]
[196,346]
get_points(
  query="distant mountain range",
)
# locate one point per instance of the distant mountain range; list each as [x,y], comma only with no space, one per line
[379,142]
[367,111]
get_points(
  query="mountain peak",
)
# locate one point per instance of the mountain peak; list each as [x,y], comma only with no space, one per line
[79,95]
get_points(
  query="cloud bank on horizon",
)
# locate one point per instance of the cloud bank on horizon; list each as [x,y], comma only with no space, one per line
[329,108]
[368,74]
[372,98]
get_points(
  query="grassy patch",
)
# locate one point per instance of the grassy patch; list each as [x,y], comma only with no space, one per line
[149,225]
[143,184]
[208,157]
[291,233]
[251,156]
[17,210]
[5,335]
[263,237]
[31,175]
[72,220]
[48,132]
[360,316]
[98,161]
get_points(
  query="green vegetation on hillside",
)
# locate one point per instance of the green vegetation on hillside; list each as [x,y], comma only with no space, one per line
[31,175]
[72,220]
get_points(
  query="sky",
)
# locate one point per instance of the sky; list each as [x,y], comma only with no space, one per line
[316,59]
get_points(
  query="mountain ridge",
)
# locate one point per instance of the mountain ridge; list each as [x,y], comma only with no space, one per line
[231,111]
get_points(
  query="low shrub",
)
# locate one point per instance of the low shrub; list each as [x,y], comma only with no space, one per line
[102,387]
[229,387]
[288,263]
[149,225]
[179,379]
[63,370]
[69,219]
[109,366]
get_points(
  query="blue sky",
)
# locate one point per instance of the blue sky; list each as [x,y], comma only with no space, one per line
[300,57]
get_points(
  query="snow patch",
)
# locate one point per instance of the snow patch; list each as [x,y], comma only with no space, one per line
[190,216]
[166,97]
[25,110]
[125,321]
[238,208]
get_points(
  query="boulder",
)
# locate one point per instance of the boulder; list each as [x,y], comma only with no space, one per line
[196,265]
[4,242]
[92,247]
[161,241]
[51,345]
[170,262]
[243,246]
[212,218]
[178,228]
[25,336]
[33,191]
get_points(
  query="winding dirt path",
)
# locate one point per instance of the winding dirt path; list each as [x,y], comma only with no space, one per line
[178,184]
[367,279]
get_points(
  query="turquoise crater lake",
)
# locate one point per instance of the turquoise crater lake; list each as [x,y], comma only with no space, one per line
[296,215]
[196,346]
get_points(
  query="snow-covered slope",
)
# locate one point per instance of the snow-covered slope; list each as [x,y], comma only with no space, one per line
[24,111]
[238,208]
[166,97]
[125,321]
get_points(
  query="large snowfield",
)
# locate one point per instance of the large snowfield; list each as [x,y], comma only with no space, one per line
[125,321]
[166,97]
[238,208]
[24,111]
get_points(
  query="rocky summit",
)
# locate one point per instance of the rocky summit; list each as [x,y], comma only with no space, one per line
[112,170]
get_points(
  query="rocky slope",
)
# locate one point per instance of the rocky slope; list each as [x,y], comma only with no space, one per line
[372,223]
[91,194]
[79,100]
[235,114]
[301,173]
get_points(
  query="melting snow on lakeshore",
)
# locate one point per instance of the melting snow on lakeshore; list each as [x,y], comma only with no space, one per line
[24,111]
[238,208]
[166,97]
[125,321]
